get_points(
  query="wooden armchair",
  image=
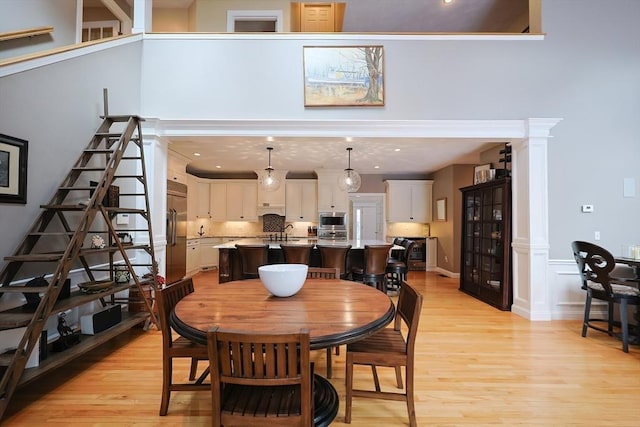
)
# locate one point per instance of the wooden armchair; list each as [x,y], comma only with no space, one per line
[388,347]
[180,347]
[260,379]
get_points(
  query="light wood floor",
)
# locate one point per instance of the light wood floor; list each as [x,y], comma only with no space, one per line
[475,366]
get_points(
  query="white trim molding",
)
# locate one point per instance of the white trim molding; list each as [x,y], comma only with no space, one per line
[254,15]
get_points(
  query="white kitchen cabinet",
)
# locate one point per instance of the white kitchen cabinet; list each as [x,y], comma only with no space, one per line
[218,201]
[201,195]
[409,200]
[330,196]
[208,254]
[193,256]
[242,201]
[301,200]
[176,168]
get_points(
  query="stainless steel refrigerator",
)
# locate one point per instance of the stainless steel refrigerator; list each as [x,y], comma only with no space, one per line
[176,231]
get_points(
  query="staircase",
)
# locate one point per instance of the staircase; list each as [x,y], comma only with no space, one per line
[87,203]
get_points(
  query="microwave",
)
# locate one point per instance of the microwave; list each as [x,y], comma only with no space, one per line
[332,221]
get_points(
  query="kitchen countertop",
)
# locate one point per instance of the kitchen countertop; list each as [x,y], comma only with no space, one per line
[275,244]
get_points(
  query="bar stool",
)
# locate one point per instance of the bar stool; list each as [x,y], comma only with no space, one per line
[335,257]
[296,254]
[397,268]
[252,257]
[374,270]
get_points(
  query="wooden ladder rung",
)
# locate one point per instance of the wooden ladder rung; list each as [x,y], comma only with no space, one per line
[14,320]
[12,289]
[64,207]
[127,176]
[122,118]
[34,257]
[88,169]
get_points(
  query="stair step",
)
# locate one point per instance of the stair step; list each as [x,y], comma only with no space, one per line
[14,320]
[23,289]
[35,257]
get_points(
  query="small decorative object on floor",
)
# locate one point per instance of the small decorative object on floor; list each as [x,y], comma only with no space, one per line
[97,242]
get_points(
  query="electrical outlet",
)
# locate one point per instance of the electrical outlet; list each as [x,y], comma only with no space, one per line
[596,235]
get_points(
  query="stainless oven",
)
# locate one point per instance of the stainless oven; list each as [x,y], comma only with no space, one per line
[332,225]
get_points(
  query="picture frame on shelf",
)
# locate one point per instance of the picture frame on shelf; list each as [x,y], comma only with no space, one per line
[343,76]
[441,209]
[13,169]
[481,173]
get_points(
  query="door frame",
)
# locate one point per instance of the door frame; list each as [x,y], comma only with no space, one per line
[377,199]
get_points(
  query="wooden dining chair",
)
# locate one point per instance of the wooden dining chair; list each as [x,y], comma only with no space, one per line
[323,273]
[260,379]
[180,347]
[326,273]
[596,265]
[388,347]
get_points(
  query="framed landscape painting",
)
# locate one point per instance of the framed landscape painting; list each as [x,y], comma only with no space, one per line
[351,76]
[13,170]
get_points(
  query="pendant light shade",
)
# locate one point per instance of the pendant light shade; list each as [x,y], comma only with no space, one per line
[350,179]
[268,180]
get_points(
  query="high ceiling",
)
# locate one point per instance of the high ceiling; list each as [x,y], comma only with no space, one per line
[236,154]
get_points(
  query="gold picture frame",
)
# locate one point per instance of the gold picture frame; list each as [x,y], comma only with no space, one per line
[343,76]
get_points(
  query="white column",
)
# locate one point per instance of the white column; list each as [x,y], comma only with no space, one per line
[142,14]
[530,221]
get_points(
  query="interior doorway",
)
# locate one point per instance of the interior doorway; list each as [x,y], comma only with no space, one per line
[254,21]
[367,216]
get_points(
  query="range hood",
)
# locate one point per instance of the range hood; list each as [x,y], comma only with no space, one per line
[270,208]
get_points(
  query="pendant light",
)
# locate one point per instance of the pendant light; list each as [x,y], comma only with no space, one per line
[268,180]
[349,181]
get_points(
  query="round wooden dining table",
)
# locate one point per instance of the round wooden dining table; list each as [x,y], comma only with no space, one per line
[334,311]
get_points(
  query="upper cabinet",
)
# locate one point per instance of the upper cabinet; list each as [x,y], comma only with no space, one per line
[409,200]
[176,168]
[301,200]
[330,196]
[242,200]
[317,17]
[218,201]
[197,198]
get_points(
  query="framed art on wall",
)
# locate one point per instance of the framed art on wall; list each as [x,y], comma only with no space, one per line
[441,209]
[343,76]
[13,170]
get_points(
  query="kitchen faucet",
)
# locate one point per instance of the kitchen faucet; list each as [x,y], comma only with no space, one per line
[284,230]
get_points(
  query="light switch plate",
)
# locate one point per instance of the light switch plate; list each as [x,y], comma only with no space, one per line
[587,208]
[122,219]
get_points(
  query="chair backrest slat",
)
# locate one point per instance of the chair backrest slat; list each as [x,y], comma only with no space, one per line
[323,273]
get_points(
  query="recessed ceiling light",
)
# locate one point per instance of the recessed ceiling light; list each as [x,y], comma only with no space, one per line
[218,166]
[396,149]
[270,138]
[447,1]
[196,154]
[376,167]
[348,139]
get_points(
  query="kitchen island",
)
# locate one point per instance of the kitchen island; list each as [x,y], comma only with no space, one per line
[229,262]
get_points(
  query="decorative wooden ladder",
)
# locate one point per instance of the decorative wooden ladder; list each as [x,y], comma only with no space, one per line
[62,234]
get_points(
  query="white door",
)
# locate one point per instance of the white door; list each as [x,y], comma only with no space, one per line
[367,217]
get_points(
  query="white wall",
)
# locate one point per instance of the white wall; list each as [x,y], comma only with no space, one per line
[16,15]
[57,109]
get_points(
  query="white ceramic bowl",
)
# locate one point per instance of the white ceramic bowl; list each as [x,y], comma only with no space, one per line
[283,280]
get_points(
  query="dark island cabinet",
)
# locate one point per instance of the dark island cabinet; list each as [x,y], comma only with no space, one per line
[486,242]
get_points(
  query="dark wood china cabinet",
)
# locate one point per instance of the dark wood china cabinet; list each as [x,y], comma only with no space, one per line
[486,242]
